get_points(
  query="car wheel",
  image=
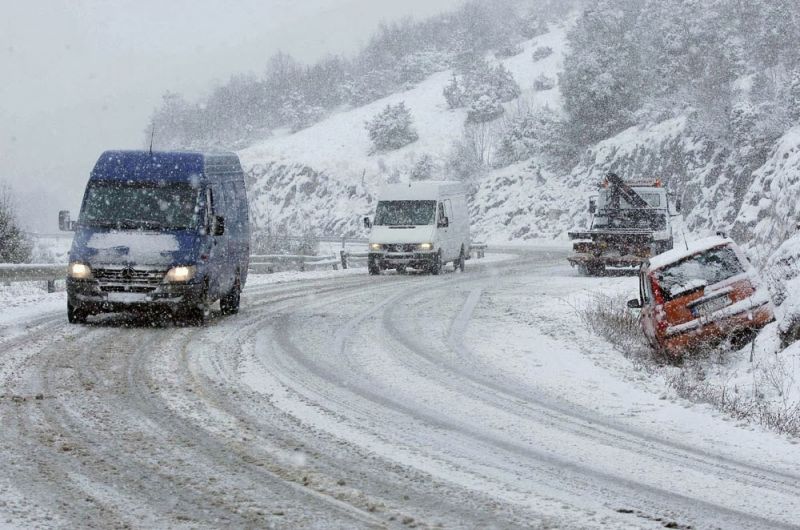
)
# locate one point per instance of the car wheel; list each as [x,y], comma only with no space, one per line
[76,315]
[229,304]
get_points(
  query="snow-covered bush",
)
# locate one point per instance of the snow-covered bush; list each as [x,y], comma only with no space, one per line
[415,67]
[529,132]
[298,113]
[508,50]
[543,82]
[423,169]
[481,81]
[392,128]
[542,52]
[485,108]
[782,273]
[15,247]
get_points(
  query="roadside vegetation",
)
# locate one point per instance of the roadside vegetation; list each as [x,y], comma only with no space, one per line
[753,385]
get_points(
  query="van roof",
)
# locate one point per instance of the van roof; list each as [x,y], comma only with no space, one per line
[171,166]
[411,191]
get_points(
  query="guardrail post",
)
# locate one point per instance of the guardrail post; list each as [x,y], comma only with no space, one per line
[343,255]
[51,286]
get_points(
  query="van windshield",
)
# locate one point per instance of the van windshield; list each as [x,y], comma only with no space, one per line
[413,213]
[698,271]
[137,205]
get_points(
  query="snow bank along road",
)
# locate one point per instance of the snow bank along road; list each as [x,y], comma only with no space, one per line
[464,400]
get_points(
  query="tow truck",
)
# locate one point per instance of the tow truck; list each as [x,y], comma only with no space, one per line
[630,223]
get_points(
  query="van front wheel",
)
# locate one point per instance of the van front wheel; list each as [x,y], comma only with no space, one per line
[462,258]
[436,264]
[229,304]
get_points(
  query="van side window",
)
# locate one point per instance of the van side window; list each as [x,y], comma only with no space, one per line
[448,209]
[208,211]
[234,209]
[441,215]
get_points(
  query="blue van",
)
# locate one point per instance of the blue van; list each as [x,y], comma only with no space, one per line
[159,231]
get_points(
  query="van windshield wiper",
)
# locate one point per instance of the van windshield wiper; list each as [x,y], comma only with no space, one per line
[138,223]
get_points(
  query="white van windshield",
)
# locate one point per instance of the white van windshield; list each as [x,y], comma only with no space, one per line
[397,213]
[140,206]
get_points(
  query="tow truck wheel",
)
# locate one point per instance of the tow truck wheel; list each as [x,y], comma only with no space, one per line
[596,269]
[75,315]
[374,268]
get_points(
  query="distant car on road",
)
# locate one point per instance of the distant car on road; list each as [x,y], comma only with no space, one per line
[159,230]
[690,299]
[423,225]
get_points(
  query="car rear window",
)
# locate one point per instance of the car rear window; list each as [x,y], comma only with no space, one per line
[697,271]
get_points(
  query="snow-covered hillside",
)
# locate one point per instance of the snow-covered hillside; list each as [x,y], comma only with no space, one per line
[323,177]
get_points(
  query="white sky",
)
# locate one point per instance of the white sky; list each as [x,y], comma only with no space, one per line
[82,76]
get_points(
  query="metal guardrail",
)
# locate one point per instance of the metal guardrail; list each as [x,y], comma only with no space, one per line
[33,272]
[259,264]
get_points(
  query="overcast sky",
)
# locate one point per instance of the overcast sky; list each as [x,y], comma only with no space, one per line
[81,76]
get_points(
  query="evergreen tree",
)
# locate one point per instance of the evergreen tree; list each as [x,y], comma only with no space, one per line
[15,247]
[391,129]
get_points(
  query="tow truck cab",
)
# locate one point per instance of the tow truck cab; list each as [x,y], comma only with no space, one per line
[159,230]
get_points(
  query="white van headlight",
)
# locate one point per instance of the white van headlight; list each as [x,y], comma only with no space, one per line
[426,246]
[181,273]
[79,271]
[375,246]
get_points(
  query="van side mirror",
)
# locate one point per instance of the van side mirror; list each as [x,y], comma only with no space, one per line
[678,206]
[634,303]
[367,223]
[444,222]
[64,222]
[219,225]
[592,206]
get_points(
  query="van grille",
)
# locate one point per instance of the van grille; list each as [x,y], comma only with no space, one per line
[402,248]
[129,276]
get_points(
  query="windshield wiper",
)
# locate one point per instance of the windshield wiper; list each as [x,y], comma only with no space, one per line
[138,223]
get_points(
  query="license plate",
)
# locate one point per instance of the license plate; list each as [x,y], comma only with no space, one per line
[712,305]
[127,298]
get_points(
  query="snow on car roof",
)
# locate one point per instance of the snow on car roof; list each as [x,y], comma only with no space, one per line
[677,254]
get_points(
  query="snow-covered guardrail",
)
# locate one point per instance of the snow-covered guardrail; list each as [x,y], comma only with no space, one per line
[33,272]
[476,249]
[266,263]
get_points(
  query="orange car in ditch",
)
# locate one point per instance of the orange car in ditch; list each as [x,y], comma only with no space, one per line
[692,299]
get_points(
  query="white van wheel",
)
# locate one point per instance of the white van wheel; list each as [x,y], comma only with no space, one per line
[462,259]
[436,264]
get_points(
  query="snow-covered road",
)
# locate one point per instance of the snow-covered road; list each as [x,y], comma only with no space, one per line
[465,400]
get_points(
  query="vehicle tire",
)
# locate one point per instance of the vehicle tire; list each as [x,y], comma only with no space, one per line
[200,312]
[75,315]
[436,264]
[374,268]
[229,304]
[401,269]
[596,269]
[462,261]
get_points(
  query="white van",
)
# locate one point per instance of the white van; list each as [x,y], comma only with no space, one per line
[423,225]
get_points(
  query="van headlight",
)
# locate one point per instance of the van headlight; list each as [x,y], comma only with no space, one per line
[79,271]
[181,273]
[426,246]
[375,247]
